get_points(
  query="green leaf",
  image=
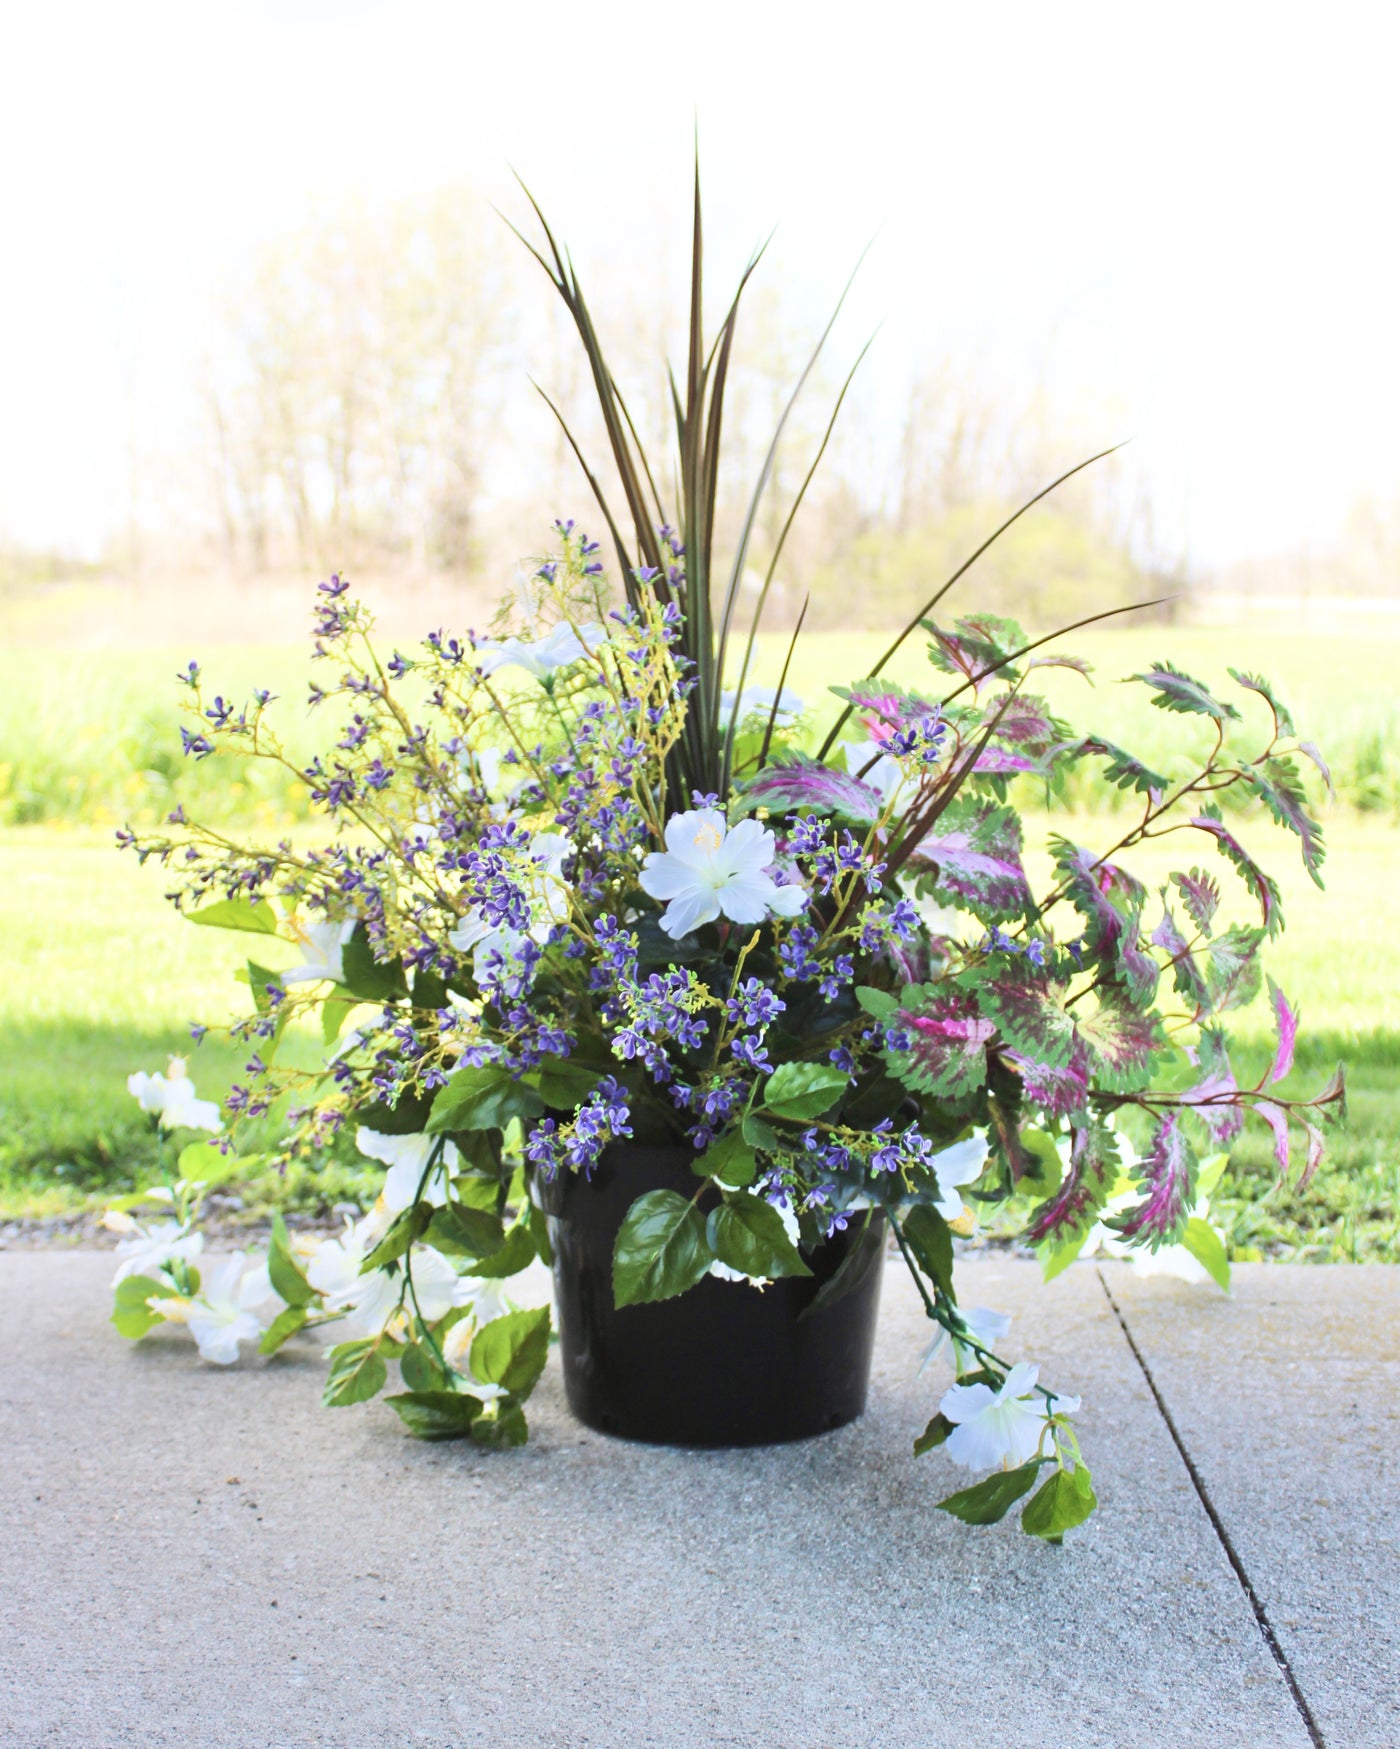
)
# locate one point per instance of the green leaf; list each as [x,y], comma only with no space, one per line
[130,1313]
[502,1425]
[1177,691]
[730,1158]
[254,916]
[933,1435]
[878,1003]
[357,1373]
[564,1085]
[661,1249]
[459,1230]
[483,1099]
[798,1091]
[1065,1500]
[284,1326]
[364,976]
[1058,1258]
[989,1501]
[285,1273]
[419,1369]
[511,1350]
[407,1227]
[436,1414]
[335,1010]
[759,1133]
[516,1252]
[930,1238]
[257,978]
[748,1234]
[1206,1246]
[539,1232]
[203,1163]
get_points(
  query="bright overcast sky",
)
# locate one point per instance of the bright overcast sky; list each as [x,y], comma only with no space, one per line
[1181,215]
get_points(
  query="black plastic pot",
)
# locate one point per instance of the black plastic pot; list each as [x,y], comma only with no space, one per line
[725,1363]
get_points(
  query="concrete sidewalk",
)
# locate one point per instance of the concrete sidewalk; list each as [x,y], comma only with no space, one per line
[208,1558]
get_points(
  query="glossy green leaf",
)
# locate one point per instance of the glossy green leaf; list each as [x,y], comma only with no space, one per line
[435,1414]
[502,1425]
[511,1350]
[798,1091]
[515,1254]
[564,1085]
[933,1435]
[419,1368]
[130,1313]
[286,1274]
[1206,1246]
[357,1373]
[730,1159]
[253,916]
[406,1229]
[661,1249]
[483,1099]
[282,1328]
[459,1230]
[930,1238]
[203,1163]
[1066,1500]
[364,976]
[989,1501]
[747,1234]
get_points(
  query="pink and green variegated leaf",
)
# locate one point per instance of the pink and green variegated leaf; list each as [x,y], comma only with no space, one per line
[1317,1146]
[1086,1187]
[1278,788]
[1168,1177]
[1214,1099]
[945,1053]
[1333,1097]
[1283,721]
[1125,771]
[1059,1091]
[1079,664]
[1179,692]
[1029,1009]
[974,855]
[1233,973]
[1311,750]
[1187,975]
[975,644]
[1024,721]
[995,761]
[1200,894]
[1277,1119]
[804,783]
[1264,887]
[1122,1042]
[1286,1021]
[891,707]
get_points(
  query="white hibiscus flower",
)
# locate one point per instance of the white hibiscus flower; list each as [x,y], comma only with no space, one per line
[709,870]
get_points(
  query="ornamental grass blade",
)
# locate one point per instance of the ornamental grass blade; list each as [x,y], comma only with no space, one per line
[962,569]
[782,682]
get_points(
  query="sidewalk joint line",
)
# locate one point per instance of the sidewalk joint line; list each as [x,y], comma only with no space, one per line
[1261,1615]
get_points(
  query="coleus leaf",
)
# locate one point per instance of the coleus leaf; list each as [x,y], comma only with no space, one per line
[945,1053]
[1263,886]
[1122,1042]
[1212,1099]
[1060,1091]
[1278,787]
[1111,901]
[1124,770]
[1286,1021]
[805,783]
[892,707]
[1277,1119]
[1085,1188]
[975,644]
[1168,1176]
[1025,721]
[1283,720]
[1177,691]
[974,852]
[1029,1009]
[1311,750]
[1233,974]
[994,761]
[1200,894]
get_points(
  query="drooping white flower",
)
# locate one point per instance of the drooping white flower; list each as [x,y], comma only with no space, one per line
[709,870]
[999,1427]
[221,1315]
[370,1301]
[984,1325]
[407,1160]
[960,1164]
[172,1098]
[323,945]
[334,1264]
[149,1246]
[758,701]
[542,656]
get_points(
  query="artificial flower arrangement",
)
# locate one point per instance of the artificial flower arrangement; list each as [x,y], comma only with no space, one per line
[584,896]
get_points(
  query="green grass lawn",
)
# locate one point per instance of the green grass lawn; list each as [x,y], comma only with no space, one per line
[105,978]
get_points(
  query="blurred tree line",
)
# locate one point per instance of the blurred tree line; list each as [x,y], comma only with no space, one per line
[364,411]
